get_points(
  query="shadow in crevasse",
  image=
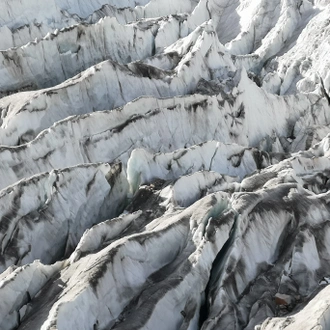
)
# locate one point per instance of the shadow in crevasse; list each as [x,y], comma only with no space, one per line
[39,307]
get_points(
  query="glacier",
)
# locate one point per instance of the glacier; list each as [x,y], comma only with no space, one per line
[164,164]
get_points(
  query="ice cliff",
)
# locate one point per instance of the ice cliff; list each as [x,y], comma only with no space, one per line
[164,164]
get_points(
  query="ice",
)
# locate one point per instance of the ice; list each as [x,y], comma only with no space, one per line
[29,211]
[315,314]
[164,164]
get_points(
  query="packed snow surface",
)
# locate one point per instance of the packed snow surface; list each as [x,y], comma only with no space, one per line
[164,164]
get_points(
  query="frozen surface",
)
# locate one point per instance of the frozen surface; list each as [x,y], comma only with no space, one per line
[164,164]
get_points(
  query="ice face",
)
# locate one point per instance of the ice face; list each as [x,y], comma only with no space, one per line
[164,164]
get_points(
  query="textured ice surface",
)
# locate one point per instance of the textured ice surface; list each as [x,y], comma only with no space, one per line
[164,164]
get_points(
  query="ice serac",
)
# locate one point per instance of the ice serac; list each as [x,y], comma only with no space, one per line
[138,272]
[28,26]
[30,278]
[62,54]
[30,225]
[316,313]
[164,164]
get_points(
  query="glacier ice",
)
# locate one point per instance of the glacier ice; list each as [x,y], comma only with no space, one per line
[164,164]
